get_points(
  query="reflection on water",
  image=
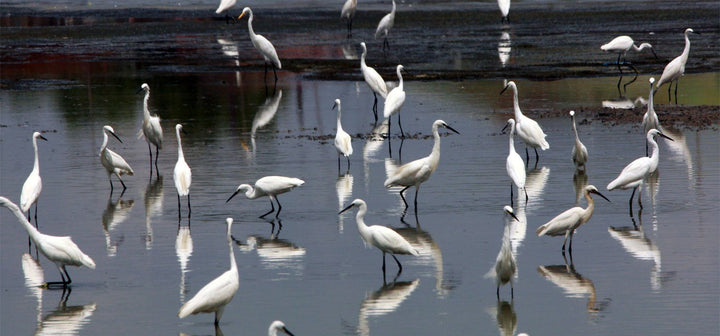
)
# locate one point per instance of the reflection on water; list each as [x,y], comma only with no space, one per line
[504,48]
[34,279]
[574,285]
[372,145]
[679,151]
[505,316]
[183,250]
[153,206]
[383,301]
[344,188]
[349,50]
[264,115]
[580,181]
[66,320]
[230,49]
[391,165]
[429,255]
[535,182]
[115,213]
[624,103]
[276,254]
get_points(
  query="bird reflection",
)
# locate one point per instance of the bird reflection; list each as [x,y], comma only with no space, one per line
[264,115]
[680,151]
[344,187]
[624,103]
[385,300]
[391,165]
[574,285]
[535,182]
[275,253]
[66,320]
[348,50]
[230,49]
[505,316]
[34,279]
[372,145]
[183,250]
[114,214]
[580,181]
[429,255]
[153,206]
[504,48]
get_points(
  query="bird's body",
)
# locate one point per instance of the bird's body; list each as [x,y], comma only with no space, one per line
[579,152]
[151,129]
[348,13]
[113,162]
[504,6]
[182,175]
[373,80]
[33,184]
[650,119]
[416,172]
[276,327]
[514,163]
[269,186]
[505,264]
[266,49]
[343,141]
[214,296]
[527,129]
[225,5]
[61,250]
[394,101]
[621,45]
[567,222]
[385,24]
[676,68]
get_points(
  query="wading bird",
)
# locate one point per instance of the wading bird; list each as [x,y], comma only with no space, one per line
[394,102]
[676,68]
[262,45]
[151,128]
[650,118]
[386,23]
[579,152]
[33,184]
[343,141]
[514,164]
[348,13]
[60,250]
[527,129]
[182,175]
[278,326]
[505,265]
[113,162]
[504,10]
[373,80]
[269,186]
[621,45]
[225,6]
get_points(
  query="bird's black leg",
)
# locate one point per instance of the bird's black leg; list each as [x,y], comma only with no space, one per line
[348,162]
[151,160]
[511,194]
[272,209]
[526,195]
[630,202]
[571,240]
[417,188]
[279,206]
[527,157]
[111,188]
[375,109]
[497,292]
[36,222]
[389,123]
[275,73]
[669,87]
[402,133]
[383,266]
[676,87]
[403,197]
[189,209]
[537,157]
[349,28]
[157,154]
[179,213]
[123,183]
[618,64]
[398,263]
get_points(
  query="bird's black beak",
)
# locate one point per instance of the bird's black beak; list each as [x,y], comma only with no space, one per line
[347,208]
[452,129]
[654,54]
[115,135]
[504,128]
[513,216]
[665,136]
[42,137]
[601,195]
[288,331]
[334,106]
[504,89]
[139,90]
[233,195]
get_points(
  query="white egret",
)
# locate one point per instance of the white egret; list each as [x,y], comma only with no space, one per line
[676,68]
[276,327]
[504,10]
[505,265]
[214,296]
[579,152]
[182,175]
[343,141]
[373,80]
[650,118]
[225,6]
[151,128]
[269,186]
[60,250]
[634,174]
[527,129]
[348,13]
[113,162]
[570,220]
[621,45]
[384,238]
[262,44]
[386,23]
[514,164]
[394,102]
[416,172]
[33,184]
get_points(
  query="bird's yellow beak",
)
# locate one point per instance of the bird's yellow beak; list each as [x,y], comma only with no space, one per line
[241,15]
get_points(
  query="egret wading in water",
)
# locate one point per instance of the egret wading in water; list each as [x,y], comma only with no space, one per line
[676,68]
[182,175]
[635,173]
[343,141]
[394,102]
[527,129]
[151,128]
[386,23]
[113,162]
[373,80]
[348,13]
[416,172]
[33,184]
[650,118]
[514,164]
[269,186]
[570,220]
[621,45]
[214,296]
[262,45]
[505,264]
[579,152]
[384,238]
[504,10]
[278,326]
[60,250]
[225,6]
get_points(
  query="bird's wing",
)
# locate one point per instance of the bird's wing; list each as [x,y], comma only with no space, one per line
[225,5]
[119,163]
[30,191]
[64,251]
[531,132]
[561,223]
[634,171]
[348,9]
[182,175]
[374,80]
[516,169]
[385,24]
[409,173]
[672,71]
[216,293]
[391,241]
[266,48]
[394,101]
[343,142]
[278,183]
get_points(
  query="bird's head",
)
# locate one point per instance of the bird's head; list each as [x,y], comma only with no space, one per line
[38,135]
[357,202]
[509,211]
[509,125]
[109,129]
[336,104]
[143,88]
[240,188]
[591,189]
[511,85]
[245,11]
[651,134]
[439,123]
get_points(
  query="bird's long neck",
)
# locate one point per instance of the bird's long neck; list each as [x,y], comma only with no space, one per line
[32,231]
[651,107]
[392,12]
[435,154]
[655,156]
[250,192]
[146,111]
[180,150]
[512,139]
[686,51]
[401,79]
[516,105]
[590,207]
[233,264]
[104,144]
[360,219]
[250,27]
[36,165]
[339,124]
[362,58]
[577,138]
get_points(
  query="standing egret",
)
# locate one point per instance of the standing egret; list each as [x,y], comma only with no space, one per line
[262,45]
[416,172]
[276,327]
[225,6]
[182,175]
[373,80]
[33,184]
[527,129]
[579,152]
[514,164]
[269,186]
[621,45]
[567,222]
[343,141]
[214,296]
[394,102]
[504,10]
[113,162]
[634,174]
[650,118]
[151,128]
[348,13]
[384,238]
[505,265]
[386,23]
[676,68]
[60,250]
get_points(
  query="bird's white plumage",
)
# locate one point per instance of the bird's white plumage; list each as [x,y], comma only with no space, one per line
[343,141]
[396,98]
[635,172]
[386,23]
[622,44]
[260,42]
[382,237]
[372,78]
[650,118]
[33,184]
[504,6]
[514,163]
[348,9]
[151,128]
[272,186]
[278,326]
[225,5]
[579,152]
[676,68]
[505,264]
[113,162]
[182,175]
[527,129]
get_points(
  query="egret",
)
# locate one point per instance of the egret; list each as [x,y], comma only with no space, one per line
[394,102]
[570,220]
[277,326]
[676,68]
[386,23]
[151,128]
[384,238]
[504,10]
[60,250]
[416,172]
[214,296]
[262,44]
[269,186]
[348,13]
[182,175]
[621,45]
[634,174]
[343,141]
[579,152]
[113,162]
[373,80]
[505,265]
[225,6]
[650,119]
[528,129]
[33,184]
[514,164]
